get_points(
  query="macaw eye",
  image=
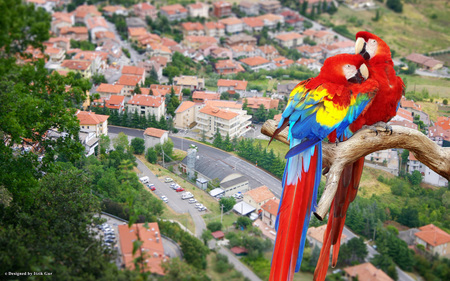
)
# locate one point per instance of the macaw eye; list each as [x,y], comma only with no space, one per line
[373,41]
[348,66]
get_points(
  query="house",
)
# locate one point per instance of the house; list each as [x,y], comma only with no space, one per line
[144,10]
[257,197]
[231,86]
[323,37]
[415,109]
[282,62]
[438,135]
[115,102]
[341,47]
[92,122]
[198,9]
[159,50]
[89,141]
[414,164]
[82,12]
[240,39]
[152,68]
[232,25]
[406,124]
[308,51]
[239,251]
[185,115]
[268,103]
[366,272]
[84,67]
[253,24]
[433,178]
[97,58]
[289,40]
[60,20]
[55,55]
[270,211]
[195,42]
[228,67]
[115,10]
[269,7]
[129,82]
[192,28]
[220,53]
[243,50]
[154,136]
[359,4]
[214,29]
[271,21]
[311,64]
[106,90]
[135,22]
[112,48]
[147,105]
[152,246]
[443,122]
[221,9]
[201,97]
[96,24]
[231,122]
[257,63]
[135,32]
[60,42]
[292,18]
[189,82]
[387,157]
[315,236]
[166,89]
[425,62]
[174,12]
[222,104]
[234,183]
[103,36]
[77,33]
[286,89]
[403,115]
[268,52]
[134,70]
[249,8]
[218,235]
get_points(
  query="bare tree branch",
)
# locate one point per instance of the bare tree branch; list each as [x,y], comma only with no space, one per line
[365,142]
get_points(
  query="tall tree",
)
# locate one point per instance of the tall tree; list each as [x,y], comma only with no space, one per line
[217,142]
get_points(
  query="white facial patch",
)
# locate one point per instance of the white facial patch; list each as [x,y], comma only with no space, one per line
[371,47]
[349,71]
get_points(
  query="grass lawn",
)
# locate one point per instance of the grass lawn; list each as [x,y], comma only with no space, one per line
[227,220]
[230,274]
[277,146]
[421,28]
[370,185]
[436,87]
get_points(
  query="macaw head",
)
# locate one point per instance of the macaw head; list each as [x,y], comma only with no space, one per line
[369,45]
[344,68]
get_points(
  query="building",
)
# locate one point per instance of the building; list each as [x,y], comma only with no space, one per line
[257,63]
[323,37]
[244,51]
[228,67]
[112,102]
[135,32]
[96,24]
[198,9]
[189,82]
[192,28]
[134,70]
[77,33]
[270,211]
[161,90]
[153,136]
[282,62]
[106,90]
[231,86]
[415,109]
[272,21]
[249,8]
[268,103]
[289,40]
[438,135]
[425,62]
[286,89]
[292,18]
[89,141]
[221,53]
[233,25]
[232,122]
[174,12]
[82,12]
[269,7]
[115,10]
[201,97]
[92,122]
[315,236]
[135,22]
[268,52]
[152,246]
[308,51]
[257,197]
[129,82]
[227,105]
[185,115]
[221,9]
[159,50]
[366,272]
[55,55]
[434,240]
[195,42]
[147,106]
[84,67]
[98,59]
[214,29]
[144,10]
[253,24]
[234,183]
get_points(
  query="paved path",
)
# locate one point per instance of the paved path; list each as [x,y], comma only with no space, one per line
[238,265]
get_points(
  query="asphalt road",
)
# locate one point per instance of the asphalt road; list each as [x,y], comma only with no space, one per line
[238,265]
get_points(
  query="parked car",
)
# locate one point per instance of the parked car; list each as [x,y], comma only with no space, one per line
[179,189]
[202,208]
[144,180]
[164,198]
[187,195]
[151,187]
[198,205]
[192,200]
[168,180]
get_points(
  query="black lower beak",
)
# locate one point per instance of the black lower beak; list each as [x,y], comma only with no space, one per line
[357,79]
[364,53]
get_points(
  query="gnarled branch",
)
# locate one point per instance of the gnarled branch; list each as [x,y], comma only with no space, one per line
[365,142]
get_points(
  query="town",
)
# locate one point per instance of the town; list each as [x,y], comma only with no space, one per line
[174,98]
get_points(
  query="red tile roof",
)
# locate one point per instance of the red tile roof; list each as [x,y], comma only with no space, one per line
[267,102]
[260,194]
[174,9]
[168,88]
[90,118]
[154,132]
[405,114]
[433,235]
[253,22]
[142,100]
[152,246]
[410,104]
[200,39]
[224,104]
[133,70]
[277,117]
[238,250]
[406,124]
[271,206]
[288,36]
[237,84]
[443,122]
[230,21]
[192,26]
[214,25]
[108,88]
[218,234]
[76,64]
[90,55]
[230,64]
[93,22]
[220,113]
[367,272]
[200,95]
[254,61]
[184,106]
[137,31]
[129,80]
[74,29]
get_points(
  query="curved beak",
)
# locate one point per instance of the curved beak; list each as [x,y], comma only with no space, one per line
[364,71]
[360,48]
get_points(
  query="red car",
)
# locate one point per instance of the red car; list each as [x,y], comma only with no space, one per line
[152,187]
[180,189]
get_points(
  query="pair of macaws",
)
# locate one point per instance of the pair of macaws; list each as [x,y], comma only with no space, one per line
[350,91]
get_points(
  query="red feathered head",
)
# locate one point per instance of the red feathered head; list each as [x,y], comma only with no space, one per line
[369,46]
[344,68]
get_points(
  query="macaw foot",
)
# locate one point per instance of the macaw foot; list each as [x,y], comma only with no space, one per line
[383,125]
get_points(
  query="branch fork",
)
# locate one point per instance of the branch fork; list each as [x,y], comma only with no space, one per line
[364,142]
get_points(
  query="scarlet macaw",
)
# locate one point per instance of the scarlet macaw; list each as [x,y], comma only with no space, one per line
[316,107]
[383,107]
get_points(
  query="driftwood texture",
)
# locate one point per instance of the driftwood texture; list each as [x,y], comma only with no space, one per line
[364,142]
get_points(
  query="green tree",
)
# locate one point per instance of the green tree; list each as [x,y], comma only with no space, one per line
[386,264]
[206,236]
[104,143]
[194,251]
[175,269]
[261,114]
[409,217]
[138,145]
[151,155]
[395,5]
[165,149]
[354,251]
[98,78]
[121,142]
[243,222]
[227,203]
[214,226]
[227,145]
[415,178]
[217,139]
[445,102]
[137,90]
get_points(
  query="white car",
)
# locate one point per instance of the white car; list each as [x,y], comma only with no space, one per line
[168,180]
[197,205]
[202,208]
[164,198]
[187,195]
[192,200]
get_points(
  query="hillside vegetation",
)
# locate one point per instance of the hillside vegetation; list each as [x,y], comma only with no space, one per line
[421,27]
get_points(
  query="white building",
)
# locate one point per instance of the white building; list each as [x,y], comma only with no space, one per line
[147,105]
[91,122]
[198,10]
[234,183]
[232,122]
[153,136]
